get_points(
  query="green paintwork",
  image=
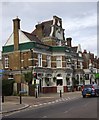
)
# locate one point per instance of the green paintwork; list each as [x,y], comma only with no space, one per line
[97,76]
[9,48]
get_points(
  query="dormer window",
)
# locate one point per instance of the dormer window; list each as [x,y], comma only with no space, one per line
[58,23]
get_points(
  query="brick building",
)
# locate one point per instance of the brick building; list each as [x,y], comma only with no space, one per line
[90,66]
[44,51]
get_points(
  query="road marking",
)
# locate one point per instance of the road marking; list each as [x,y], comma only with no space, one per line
[68,110]
[53,102]
[40,104]
[69,98]
[49,102]
[44,103]
[56,100]
[35,105]
[44,117]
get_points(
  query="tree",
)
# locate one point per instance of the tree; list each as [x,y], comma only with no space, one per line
[28,77]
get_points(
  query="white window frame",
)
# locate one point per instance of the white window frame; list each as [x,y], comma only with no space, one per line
[59,61]
[6,62]
[39,60]
[48,61]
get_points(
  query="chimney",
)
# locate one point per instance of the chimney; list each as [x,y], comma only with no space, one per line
[16,27]
[69,41]
[85,51]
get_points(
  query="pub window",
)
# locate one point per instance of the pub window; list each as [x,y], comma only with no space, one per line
[39,60]
[48,61]
[6,62]
[59,61]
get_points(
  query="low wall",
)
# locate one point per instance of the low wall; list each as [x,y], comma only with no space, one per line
[65,88]
[49,89]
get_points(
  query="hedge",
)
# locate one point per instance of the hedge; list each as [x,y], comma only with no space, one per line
[7,87]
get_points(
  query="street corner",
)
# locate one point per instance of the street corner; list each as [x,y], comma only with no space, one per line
[8,107]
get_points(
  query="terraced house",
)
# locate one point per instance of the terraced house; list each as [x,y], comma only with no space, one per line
[47,53]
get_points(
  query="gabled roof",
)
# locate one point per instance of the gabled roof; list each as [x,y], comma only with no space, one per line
[32,37]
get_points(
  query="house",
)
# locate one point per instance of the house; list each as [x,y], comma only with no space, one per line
[46,53]
[90,66]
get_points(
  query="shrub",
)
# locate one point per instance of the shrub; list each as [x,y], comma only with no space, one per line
[7,87]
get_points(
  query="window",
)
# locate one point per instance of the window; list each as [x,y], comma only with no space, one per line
[6,62]
[39,60]
[59,82]
[86,76]
[59,61]
[48,61]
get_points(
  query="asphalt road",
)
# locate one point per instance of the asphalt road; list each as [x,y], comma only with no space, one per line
[78,108]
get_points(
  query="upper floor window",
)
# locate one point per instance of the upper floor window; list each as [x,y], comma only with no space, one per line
[80,55]
[59,62]
[6,62]
[39,60]
[48,61]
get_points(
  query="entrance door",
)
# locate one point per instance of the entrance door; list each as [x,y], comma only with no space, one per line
[60,85]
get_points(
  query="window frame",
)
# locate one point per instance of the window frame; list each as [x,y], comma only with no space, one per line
[59,62]
[39,60]
[6,62]
[48,61]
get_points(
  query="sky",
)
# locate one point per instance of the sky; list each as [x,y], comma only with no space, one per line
[79,19]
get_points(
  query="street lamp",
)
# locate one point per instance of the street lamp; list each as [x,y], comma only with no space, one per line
[21,80]
[34,74]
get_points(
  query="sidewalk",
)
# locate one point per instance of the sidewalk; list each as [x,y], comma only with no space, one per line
[12,103]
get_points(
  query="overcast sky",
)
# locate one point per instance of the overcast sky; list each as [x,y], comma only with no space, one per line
[79,19]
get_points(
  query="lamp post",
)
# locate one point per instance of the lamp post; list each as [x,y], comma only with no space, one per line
[34,74]
[20,94]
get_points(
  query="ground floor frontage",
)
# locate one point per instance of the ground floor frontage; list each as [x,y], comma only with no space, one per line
[47,80]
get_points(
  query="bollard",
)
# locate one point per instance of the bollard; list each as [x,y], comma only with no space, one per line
[20,98]
[60,93]
[2,98]
[36,94]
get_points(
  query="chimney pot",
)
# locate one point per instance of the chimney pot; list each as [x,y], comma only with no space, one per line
[69,41]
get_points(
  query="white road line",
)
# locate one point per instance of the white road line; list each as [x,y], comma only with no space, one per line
[44,103]
[49,102]
[40,104]
[56,100]
[44,117]
[35,105]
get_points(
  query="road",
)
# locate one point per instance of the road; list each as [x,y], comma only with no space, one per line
[78,108]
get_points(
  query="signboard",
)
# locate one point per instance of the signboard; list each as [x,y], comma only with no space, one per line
[87,82]
[37,81]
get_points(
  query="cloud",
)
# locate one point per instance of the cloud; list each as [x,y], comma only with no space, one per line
[79,19]
[81,23]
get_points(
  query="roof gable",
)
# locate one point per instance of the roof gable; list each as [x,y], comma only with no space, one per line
[22,39]
[31,37]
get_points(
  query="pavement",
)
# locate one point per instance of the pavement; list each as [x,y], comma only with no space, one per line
[12,103]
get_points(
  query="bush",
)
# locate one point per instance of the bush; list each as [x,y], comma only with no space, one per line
[7,87]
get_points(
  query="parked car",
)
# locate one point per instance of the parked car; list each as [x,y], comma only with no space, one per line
[88,90]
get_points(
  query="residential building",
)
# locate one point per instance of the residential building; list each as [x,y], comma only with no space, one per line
[90,66]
